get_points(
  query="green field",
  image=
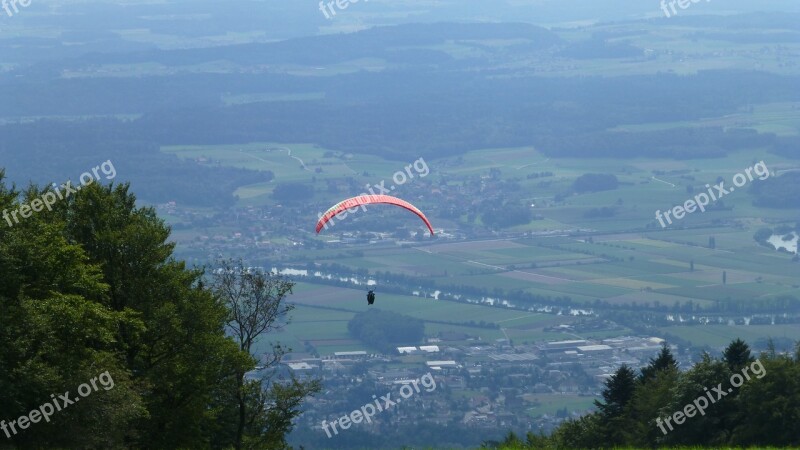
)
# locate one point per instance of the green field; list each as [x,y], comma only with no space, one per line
[550,403]
[289,163]
[623,264]
[721,335]
[326,329]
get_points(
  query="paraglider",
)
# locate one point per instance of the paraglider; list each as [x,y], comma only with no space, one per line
[371,297]
[369,200]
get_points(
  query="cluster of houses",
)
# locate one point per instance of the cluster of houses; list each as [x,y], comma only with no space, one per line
[479,384]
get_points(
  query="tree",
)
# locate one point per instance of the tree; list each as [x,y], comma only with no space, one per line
[709,429]
[733,401]
[56,333]
[585,432]
[384,330]
[762,235]
[663,362]
[737,355]
[292,192]
[768,411]
[90,287]
[617,394]
[595,182]
[256,306]
[647,406]
[182,321]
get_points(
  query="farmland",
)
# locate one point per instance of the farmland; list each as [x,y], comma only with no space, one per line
[706,260]
[322,313]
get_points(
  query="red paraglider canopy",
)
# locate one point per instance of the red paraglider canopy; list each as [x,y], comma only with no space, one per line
[368,200]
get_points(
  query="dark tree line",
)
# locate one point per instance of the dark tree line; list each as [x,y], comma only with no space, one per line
[55,152]
[595,182]
[778,192]
[385,330]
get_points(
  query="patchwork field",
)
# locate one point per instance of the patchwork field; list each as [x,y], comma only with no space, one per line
[314,321]
[706,259]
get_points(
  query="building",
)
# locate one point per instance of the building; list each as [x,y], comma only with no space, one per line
[442,364]
[560,346]
[350,355]
[593,350]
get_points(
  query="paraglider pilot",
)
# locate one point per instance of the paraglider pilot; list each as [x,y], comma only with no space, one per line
[371,297]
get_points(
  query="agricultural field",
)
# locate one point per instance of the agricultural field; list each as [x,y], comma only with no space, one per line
[288,162]
[325,329]
[620,271]
[704,260]
[551,403]
[717,336]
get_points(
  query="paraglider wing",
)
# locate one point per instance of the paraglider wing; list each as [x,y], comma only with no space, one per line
[369,200]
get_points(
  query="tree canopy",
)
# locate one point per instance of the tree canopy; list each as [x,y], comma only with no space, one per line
[755,402]
[385,329]
[92,287]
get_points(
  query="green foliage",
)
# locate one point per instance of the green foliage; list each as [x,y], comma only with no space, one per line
[737,355]
[504,215]
[585,432]
[619,391]
[768,409]
[595,182]
[256,303]
[384,330]
[763,411]
[293,192]
[661,363]
[90,287]
[778,192]
[762,235]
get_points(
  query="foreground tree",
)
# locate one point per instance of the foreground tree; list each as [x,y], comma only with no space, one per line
[182,355]
[737,355]
[661,363]
[91,286]
[56,333]
[617,394]
[256,303]
[735,400]
[768,410]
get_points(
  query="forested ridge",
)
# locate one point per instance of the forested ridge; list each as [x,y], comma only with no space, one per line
[438,105]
